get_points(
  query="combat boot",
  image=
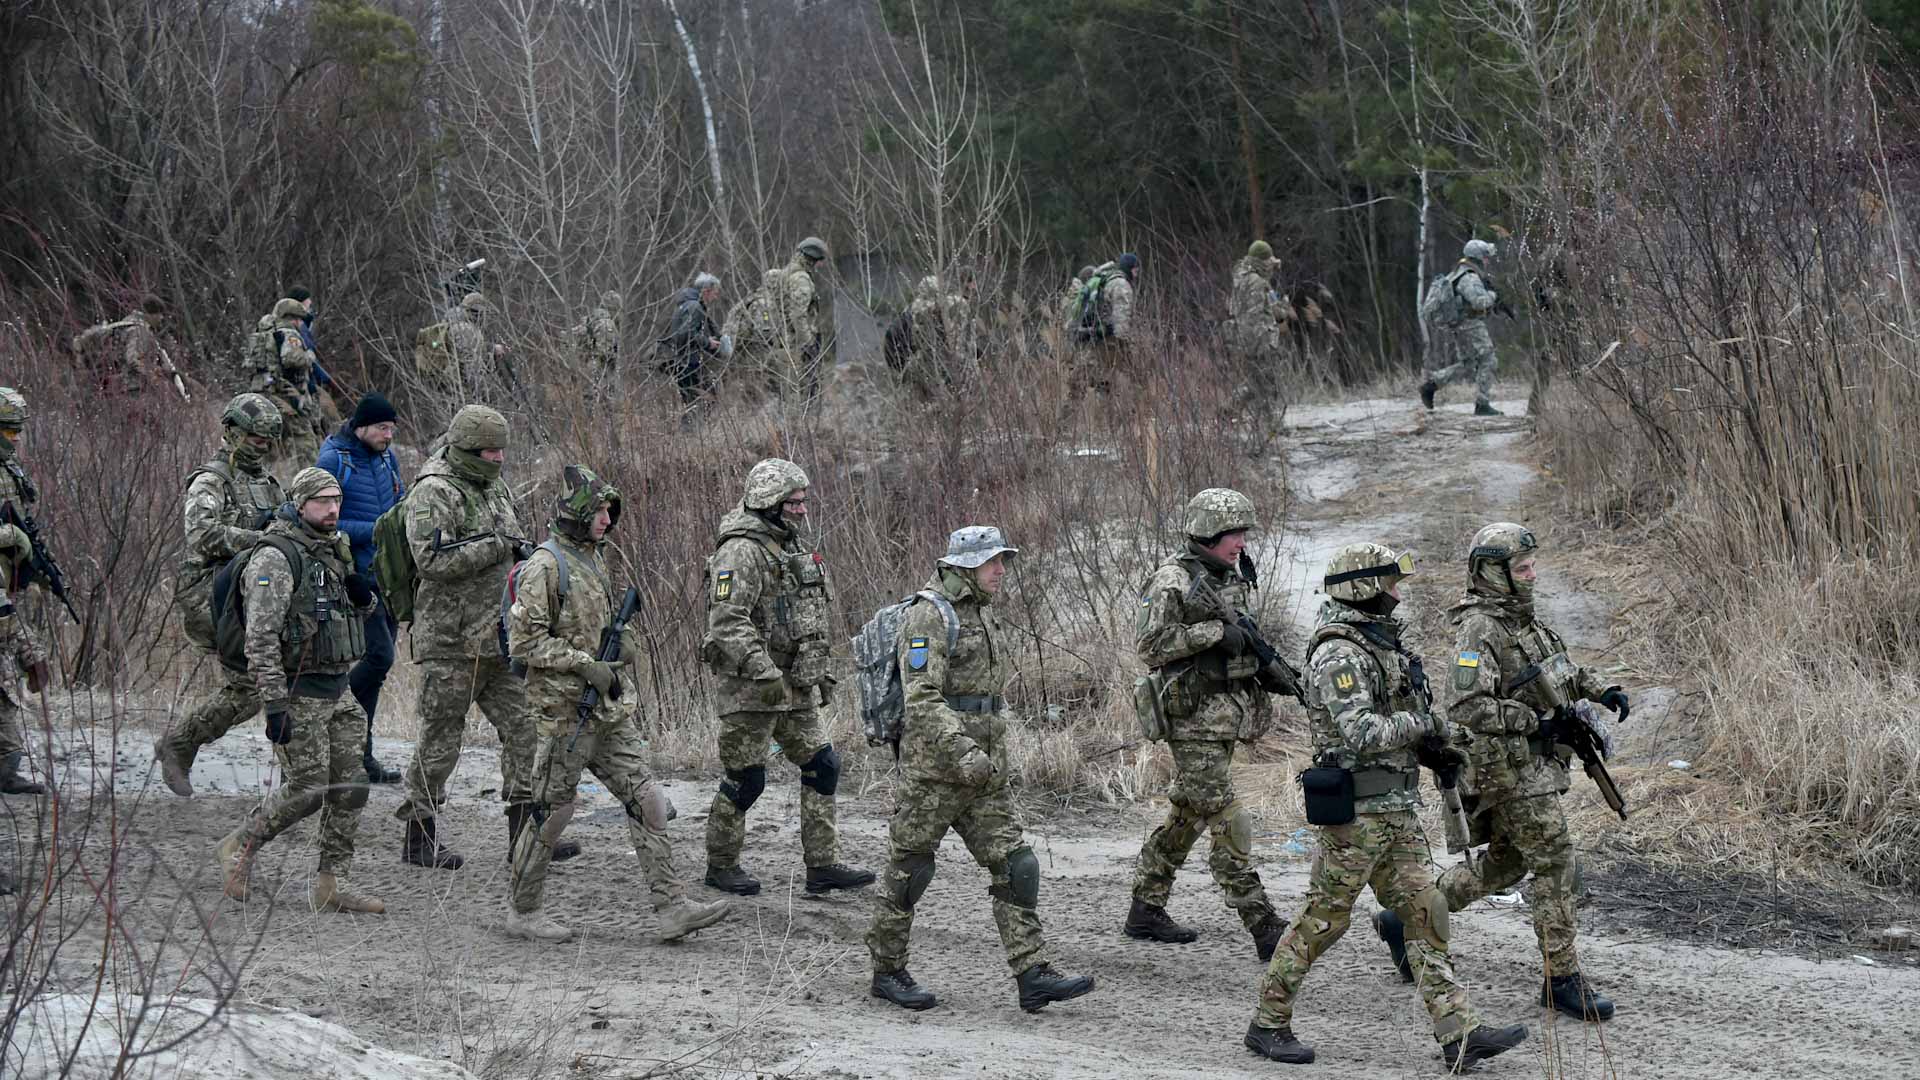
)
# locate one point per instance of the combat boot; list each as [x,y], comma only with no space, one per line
[1571,995]
[1480,1044]
[1150,922]
[1394,933]
[825,879]
[733,879]
[683,917]
[1267,934]
[173,771]
[329,896]
[1427,390]
[422,848]
[236,862]
[1278,1044]
[1041,986]
[899,988]
[534,926]
[11,780]
[1485,408]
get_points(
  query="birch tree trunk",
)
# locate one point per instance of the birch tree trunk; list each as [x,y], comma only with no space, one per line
[713,140]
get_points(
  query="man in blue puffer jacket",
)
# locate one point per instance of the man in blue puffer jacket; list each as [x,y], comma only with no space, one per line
[359,455]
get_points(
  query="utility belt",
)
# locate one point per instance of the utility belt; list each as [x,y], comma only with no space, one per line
[1543,748]
[1370,782]
[976,703]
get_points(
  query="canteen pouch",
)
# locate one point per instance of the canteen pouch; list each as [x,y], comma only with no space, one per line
[1328,792]
[1146,707]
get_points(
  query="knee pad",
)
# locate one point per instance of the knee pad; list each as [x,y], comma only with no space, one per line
[1240,830]
[651,808]
[743,786]
[1023,878]
[355,796]
[822,771]
[907,887]
[1430,909]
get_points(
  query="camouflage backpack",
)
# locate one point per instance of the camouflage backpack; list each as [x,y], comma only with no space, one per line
[262,354]
[433,350]
[1088,324]
[751,321]
[876,666]
[1442,304]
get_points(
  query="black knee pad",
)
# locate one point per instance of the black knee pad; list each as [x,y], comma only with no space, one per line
[822,771]
[355,796]
[743,786]
[919,874]
[1023,879]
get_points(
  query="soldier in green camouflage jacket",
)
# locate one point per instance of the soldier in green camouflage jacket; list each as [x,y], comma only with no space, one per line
[1188,633]
[1370,714]
[20,648]
[953,750]
[229,502]
[284,382]
[769,610]
[1513,676]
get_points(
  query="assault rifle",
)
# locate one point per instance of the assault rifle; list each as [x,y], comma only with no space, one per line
[1572,729]
[41,565]
[1275,676]
[1446,763]
[608,653]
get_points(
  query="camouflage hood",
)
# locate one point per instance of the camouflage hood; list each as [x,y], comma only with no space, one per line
[439,465]
[1333,611]
[741,521]
[1260,268]
[1499,605]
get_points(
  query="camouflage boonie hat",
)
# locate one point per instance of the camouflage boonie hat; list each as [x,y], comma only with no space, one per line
[13,408]
[611,300]
[771,481]
[1360,572]
[474,303]
[813,248]
[253,414]
[309,483]
[289,308]
[1479,249]
[477,427]
[974,545]
[582,492]
[1219,510]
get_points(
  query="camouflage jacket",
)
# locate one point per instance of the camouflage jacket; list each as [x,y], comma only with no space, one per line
[1183,613]
[797,307]
[20,645]
[463,538]
[599,337]
[226,509]
[300,628]
[1496,642]
[935,736]
[769,603]
[289,383]
[556,636]
[1362,708]
[137,343]
[470,356]
[1253,301]
[1469,285]
[1116,304]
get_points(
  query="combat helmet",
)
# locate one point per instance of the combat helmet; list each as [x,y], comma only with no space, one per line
[475,304]
[13,408]
[612,301]
[1479,250]
[1219,510]
[252,414]
[1359,572]
[1499,544]
[771,481]
[288,308]
[581,493]
[813,248]
[476,427]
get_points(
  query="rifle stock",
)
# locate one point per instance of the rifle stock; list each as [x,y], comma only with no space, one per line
[609,651]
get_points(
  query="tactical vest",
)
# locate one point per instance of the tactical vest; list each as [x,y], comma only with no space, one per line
[1396,680]
[250,504]
[1191,681]
[1534,664]
[801,599]
[321,632]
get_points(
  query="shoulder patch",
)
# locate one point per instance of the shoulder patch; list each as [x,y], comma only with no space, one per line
[1466,670]
[722,584]
[917,654]
[1343,681]
[263,580]
[1469,658]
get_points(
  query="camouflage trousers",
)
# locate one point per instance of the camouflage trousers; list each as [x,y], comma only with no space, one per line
[1468,352]
[1389,853]
[324,773]
[1529,837]
[13,728]
[986,824]
[1203,801]
[233,704]
[612,752]
[447,689]
[743,745]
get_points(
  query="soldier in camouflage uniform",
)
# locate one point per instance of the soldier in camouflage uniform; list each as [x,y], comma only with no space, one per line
[943,334]
[1512,673]
[554,628]
[1370,714]
[140,353]
[768,615]
[1461,340]
[230,500]
[953,751]
[20,648]
[284,381]
[474,369]
[599,336]
[305,609]
[803,318]
[1216,694]
[1255,315]
[465,537]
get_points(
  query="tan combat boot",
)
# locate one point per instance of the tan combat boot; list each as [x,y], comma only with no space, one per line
[173,771]
[329,896]
[683,917]
[534,926]
[236,862]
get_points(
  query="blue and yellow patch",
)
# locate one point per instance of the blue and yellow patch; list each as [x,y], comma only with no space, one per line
[1466,670]
[723,584]
[263,580]
[1469,659]
[917,654]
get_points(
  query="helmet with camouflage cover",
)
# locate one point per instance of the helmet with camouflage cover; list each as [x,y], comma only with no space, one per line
[13,408]
[1219,510]
[612,301]
[1479,250]
[770,482]
[477,427]
[813,248]
[581,494]
[289,309]
[252,414]
[1359,572]
[475,304]
[1490,558]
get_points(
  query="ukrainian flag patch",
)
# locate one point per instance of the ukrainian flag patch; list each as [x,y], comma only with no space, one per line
[1469,659]
[917,654]
[723,585]
[264,580]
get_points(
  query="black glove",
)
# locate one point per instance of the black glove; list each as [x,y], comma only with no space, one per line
[1549,727]
[280,727]
[1616,699]
[360,588]
[1233,639]
[1439,755]
[523,551]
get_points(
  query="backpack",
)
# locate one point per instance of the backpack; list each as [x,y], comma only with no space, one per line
[1088,326]
[433,350]
[263,350]
[510,591]
[1442,304]
[229,603]
[751,321]
[393,562]
[898,345]
[876,665]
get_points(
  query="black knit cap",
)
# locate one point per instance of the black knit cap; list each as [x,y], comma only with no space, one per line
[300,293]
[373,409]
